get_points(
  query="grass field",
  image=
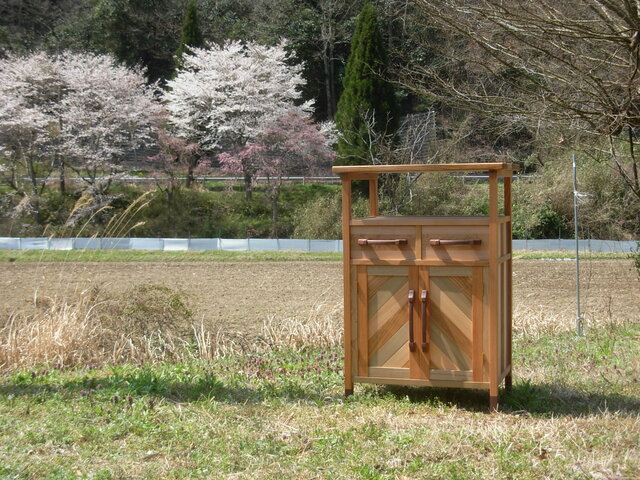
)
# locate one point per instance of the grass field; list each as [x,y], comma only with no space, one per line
[268,403]
[573,413]
[233,256]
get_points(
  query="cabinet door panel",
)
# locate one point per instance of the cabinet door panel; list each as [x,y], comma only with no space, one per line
[383,326]
[450,321]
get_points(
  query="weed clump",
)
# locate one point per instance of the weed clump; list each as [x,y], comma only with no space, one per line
[145,323]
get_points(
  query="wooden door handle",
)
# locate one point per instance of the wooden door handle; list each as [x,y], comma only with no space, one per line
[423,316]
[391,241]
[412,344]
[438,241]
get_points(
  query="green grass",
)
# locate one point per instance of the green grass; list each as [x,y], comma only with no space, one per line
[573,413]
[160,256]
[542,255]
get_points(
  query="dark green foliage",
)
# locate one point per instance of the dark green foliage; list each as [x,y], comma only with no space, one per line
[367,109]
[138,32]
[218,211]
[191,34]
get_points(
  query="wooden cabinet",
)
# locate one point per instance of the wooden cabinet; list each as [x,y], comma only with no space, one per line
[428,299]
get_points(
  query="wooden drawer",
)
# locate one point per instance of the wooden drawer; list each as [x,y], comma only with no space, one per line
[452,246]
[398,243]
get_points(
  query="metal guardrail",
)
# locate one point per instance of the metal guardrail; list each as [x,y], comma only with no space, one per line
[252,244]
[240,180]
[332,179]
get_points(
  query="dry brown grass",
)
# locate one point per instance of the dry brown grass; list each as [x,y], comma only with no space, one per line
[321,327]
[146,324]
[95,328]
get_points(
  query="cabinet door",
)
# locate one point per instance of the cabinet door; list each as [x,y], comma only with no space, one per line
[383,316]
[455,327]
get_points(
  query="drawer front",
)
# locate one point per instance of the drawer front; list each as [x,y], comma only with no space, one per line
[383,243]
[457,243]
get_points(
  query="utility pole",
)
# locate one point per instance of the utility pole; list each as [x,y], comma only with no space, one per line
[579,320]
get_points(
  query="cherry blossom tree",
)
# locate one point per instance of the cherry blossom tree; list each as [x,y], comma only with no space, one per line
[30,132]
[175,158]
[225,96]
[78,110]
[75,110]
[290,145]
[107,112]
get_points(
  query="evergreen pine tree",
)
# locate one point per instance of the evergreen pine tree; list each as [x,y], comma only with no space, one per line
[366,93]
[191,34]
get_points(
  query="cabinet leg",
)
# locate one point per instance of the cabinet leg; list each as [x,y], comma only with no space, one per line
[493,403]
[508,383]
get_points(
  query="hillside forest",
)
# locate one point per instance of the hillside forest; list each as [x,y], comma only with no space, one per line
[138,110]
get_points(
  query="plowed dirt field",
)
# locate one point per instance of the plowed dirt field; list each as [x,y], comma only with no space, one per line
[240,296]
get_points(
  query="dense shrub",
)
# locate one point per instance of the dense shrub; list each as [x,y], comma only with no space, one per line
[543,206]
[219,211]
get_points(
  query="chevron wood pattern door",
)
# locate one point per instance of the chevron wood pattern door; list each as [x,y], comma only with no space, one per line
[383,320]
[451,322]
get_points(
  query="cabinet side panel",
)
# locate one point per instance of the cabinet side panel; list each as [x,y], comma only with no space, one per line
[500,317]
[362,331]
[504,327]
[485,325]
[353,343]
[477,320]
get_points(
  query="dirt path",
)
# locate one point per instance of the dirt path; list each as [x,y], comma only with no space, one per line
[239,296]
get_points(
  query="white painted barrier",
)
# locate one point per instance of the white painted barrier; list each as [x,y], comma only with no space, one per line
[255,244]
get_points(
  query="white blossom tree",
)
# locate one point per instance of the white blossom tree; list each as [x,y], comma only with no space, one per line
[108,111]
[225,96]
[76,109]
[30,137]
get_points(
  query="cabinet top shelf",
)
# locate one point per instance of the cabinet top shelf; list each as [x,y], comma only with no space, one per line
[427,220]
[506,168]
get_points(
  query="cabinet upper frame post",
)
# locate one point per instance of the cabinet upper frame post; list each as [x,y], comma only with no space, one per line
[373,197]
[493,290]
[346,272]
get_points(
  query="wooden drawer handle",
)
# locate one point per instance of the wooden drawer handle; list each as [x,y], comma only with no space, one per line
[437,242]
[391,241]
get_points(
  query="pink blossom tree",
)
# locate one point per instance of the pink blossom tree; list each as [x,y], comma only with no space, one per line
[225,96]
[291,145]
[176,157]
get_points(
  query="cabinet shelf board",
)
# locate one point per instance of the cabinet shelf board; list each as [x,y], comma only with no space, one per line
[424,383]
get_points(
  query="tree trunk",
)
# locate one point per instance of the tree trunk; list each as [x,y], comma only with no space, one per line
[328,47]
[63,183]
[248,186]
[189,180]
[275,196]
[329,86]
